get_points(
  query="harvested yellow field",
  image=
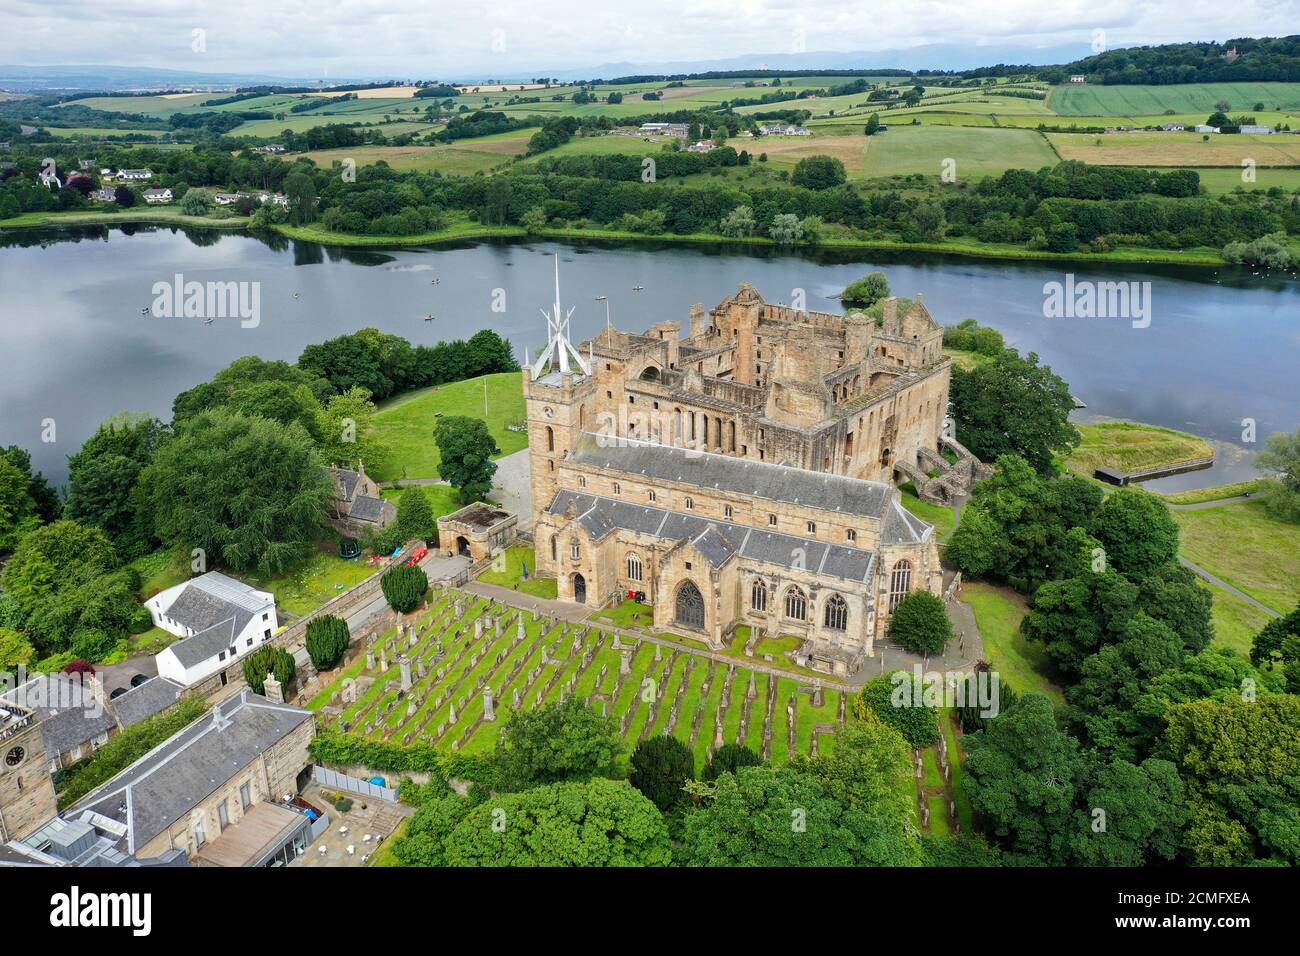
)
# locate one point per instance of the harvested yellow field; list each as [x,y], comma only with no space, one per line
[1176,149]
[786,151]
[378,93]
[501,87]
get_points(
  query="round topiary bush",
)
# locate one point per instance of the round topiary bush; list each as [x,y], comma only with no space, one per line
[728,759]
[327,641]
[920,624]
[660,766]
[404,587]
[268,660]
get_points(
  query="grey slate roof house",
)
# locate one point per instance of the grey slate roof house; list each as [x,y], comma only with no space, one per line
[357,506]
[219,618]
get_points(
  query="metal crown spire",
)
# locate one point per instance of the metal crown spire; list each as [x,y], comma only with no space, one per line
[558,345]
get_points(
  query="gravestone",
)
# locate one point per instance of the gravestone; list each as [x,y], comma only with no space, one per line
[488,712]
[624,663]
[404,663]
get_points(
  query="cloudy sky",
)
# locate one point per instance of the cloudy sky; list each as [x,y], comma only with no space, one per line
[420,38]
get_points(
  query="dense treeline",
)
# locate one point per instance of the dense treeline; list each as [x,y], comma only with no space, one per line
[1275,59]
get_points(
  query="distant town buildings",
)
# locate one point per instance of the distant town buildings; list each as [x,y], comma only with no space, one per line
[703,146]
[664,129]
[158,195]
[783,129]
[1078,78]
[134,175]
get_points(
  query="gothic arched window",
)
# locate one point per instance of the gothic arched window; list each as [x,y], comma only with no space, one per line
[758,595]
[634,566]
[796,605]
[900,582]
[836,616]
[690,606]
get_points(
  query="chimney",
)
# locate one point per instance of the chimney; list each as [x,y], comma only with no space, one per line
[891,311]
[272,690]
[920,298]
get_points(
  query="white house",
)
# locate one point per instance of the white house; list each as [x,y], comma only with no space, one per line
[139,174]
[783,129]
[219,620]
[106,194]
[1202,128]
[1258,130]
[157,195]
[1079,78]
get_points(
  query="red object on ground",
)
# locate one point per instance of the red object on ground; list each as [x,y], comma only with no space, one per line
[418,555]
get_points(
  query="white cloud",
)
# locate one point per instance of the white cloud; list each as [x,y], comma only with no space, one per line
[420,39]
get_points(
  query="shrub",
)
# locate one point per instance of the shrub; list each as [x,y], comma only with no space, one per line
[728,759]
[659,767]
[920,623]
[904,712]
[327,641]
[404,587]
[268,660]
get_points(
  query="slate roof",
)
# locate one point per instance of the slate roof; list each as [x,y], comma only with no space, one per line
[900,526]
[67,712]
[216,608]
[347,481]
[813,489]
[205,644]
[365,508]
[716,540]
[168,782]
[152,697]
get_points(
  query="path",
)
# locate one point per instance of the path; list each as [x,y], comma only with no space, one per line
[1200,572]
[1213,503]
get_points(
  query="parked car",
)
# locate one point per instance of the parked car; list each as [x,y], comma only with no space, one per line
[418,555]
[138,679]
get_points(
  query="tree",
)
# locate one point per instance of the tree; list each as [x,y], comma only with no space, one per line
[1137,531]
[327,641]
[1130,816]
[1022,776]
[1075,617]
[345,430]
[786,229]
[558,742]
[534,220]
[404,587]
[873,125]
[267,660]
[760,816]
[898,701]
[278,402]
[1280,458]
[738,223]
[659,767]
[197,202]
[818,172]
[15,650]
[1013,406]
[920,623]
[867,291]
[728,759]
[17,510]
[1278,643]
[44,497]
[1240,761]
[599,823]
[103,479]
[61,556]
[415,520]
[465,448]
[252,494]
[925,223]
[300,190]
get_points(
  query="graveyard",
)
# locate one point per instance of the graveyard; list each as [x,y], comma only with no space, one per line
[448,675]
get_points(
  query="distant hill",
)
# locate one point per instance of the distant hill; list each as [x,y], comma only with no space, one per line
[130,78]
[1272,59]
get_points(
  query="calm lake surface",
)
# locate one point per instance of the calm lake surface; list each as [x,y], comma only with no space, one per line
[75,348]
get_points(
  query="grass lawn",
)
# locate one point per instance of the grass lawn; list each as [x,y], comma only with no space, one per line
[1129,446]
[956,757]
[443,499]
[1213,493]
[462,158]
[938,815]
[406,424]
[977,151]
[308,585]
[967,360]
[1175,149]
[627,614]
[1138,100]
[998,612]
[1236,622]
[941,516]
[1218,181]
[150,642]
[1242,544]
[507,571]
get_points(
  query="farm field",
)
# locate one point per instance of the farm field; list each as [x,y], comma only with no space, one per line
[1176,149]
[462,647]
[462,158]
[598,146]
[1220,180]
[163,105]
[100,132]
[406,424]
[978,152]
[1199,98]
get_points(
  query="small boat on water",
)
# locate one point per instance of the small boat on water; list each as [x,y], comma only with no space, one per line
[144,311]
[429,318]
[637,288]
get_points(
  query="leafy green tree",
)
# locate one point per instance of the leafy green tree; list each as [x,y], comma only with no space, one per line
[465,448]
[786,229]
[1240,761]
[599,823]
[197,202]
[1216,673]
[558,742]
[659,767]
[251,493]
[300,190]
[56,557]
[818,172]
[920,623]
[415,515]
[1021,774]
[1280,459]
[1130,816]
[1278,644]
[866,291]
[327,641]
[873,125]
[268,660]
[728,759]
[278,402]
[534,220]
[738,223]
[404,587]
[17,510]
[898,701]
[423,841]
[1013,406]
[346,433]
[15,650]
[103,479]
[240,374]
[1075,617]
[761,816]
[1137,531]
[44,497]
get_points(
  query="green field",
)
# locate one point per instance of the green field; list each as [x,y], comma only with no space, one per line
[463,158]
[507,571]
[998,612]
[1090,100]
[1129,446]
[678,693]
[1176,149]
[1243,545]
[406,424]
[1218,181]
[977,152]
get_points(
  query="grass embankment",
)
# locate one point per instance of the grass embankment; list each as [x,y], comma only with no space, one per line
[1248,548]
[145,214]
[941,516]
[1198,496]
[406,423]
[1131,446]
[998,612]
